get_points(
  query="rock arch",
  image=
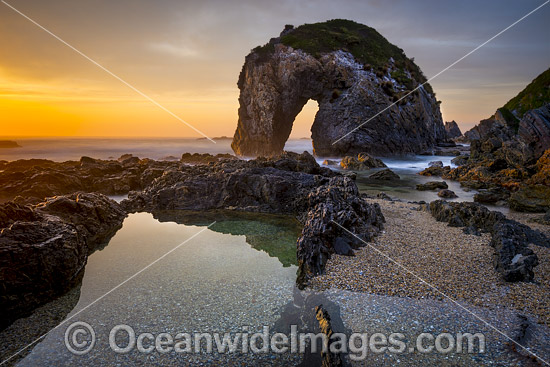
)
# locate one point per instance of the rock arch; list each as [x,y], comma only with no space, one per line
[277,80]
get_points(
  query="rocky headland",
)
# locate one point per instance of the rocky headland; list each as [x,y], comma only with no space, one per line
[452,130]
[8,144]
[509,160]
[353,73]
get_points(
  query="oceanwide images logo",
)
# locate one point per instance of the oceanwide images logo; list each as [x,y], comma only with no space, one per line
[80,339]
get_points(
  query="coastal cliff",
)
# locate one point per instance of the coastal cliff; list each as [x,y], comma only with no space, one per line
[353,73]
[509,152]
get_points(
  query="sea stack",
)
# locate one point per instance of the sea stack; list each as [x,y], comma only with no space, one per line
[372,98]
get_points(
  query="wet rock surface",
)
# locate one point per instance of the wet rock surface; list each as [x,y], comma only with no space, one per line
[435,170]
[513,259]
[43,248]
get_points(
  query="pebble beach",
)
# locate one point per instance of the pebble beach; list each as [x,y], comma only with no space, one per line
[459,266]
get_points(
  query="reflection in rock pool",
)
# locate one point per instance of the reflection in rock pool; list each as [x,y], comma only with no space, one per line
[274,234]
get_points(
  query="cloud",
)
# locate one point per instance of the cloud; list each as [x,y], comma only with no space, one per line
[182,51]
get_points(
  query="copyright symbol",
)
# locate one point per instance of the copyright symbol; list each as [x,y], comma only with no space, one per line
[79,338]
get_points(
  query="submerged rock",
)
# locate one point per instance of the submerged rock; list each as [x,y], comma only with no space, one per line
[43,249]
[350,82]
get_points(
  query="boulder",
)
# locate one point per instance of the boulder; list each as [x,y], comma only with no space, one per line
[447,194]
[438,164]
[460,160]
[432,185]
[435,171]
[531,198]
[492,195]
[329,162]
[362,162]
[545,219]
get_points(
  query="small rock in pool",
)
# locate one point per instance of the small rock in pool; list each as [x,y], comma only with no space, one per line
[448,194]
[386,174]
[436,164]
[432,185]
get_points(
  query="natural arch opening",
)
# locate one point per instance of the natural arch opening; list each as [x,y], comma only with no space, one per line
[301,127]
[299,139]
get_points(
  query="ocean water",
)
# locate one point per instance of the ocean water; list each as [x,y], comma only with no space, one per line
[63,149]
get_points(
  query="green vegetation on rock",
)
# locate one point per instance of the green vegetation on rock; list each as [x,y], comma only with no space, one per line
[367,46]
[535,95]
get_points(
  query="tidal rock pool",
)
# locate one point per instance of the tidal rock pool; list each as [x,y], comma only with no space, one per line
[167,274]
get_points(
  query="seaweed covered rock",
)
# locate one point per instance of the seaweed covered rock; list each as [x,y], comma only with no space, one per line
[362,162]
[353,73]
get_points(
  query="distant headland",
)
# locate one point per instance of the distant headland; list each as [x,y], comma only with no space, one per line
[6,144]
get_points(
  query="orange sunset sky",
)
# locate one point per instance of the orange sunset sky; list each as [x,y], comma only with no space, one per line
[187,55]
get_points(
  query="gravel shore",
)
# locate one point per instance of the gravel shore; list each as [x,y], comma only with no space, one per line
[457,264]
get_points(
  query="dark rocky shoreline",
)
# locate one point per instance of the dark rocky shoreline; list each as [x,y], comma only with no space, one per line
[44,248]
[287,184]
